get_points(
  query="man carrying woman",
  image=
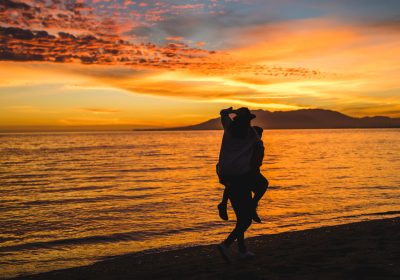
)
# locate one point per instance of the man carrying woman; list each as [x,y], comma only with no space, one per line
[238,170]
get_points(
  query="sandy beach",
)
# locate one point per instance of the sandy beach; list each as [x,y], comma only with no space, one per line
[364,250]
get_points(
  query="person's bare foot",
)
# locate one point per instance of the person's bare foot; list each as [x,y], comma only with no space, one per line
[222,211]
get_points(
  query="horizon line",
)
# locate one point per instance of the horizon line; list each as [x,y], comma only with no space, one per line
[139,127]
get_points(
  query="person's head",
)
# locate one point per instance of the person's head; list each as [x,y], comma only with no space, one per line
[241,122]
[243,114]
[259,131]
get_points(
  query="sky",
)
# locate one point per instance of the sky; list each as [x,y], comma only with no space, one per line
[138,64]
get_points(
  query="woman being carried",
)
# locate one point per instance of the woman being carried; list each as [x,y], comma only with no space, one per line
[258,185]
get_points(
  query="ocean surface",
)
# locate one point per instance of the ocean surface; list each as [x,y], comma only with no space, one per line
[69,199]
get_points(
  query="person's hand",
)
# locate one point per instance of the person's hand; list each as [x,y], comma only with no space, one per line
[228,111]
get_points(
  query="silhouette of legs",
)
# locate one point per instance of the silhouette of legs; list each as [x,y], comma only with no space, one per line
[225,196]
[259,187]
[222,207]
[241,200]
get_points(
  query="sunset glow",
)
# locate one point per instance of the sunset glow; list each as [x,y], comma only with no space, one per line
[169,63]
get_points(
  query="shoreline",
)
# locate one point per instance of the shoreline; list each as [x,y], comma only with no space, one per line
[362,250]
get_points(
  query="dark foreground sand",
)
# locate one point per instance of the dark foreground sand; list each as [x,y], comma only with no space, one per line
[366,250]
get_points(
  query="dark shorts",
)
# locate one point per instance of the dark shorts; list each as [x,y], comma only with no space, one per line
[252,179]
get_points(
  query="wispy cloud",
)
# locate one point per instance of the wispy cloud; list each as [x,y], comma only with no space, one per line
[276,55]
[99,110]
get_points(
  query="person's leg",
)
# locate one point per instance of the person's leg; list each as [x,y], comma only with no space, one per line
[225,196]
[240,197]
[259,186]
[244,225]
[222,207]
[238,234]
[234,198]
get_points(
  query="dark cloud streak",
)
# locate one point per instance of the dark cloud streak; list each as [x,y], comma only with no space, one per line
[68,31]
[21,44]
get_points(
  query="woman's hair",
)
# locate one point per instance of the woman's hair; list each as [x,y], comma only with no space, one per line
[239,127]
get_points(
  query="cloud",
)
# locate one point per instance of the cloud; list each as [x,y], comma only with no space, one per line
[244,52]
[85,35]
[174,38]
[100,110]
[92,121]
[26,45]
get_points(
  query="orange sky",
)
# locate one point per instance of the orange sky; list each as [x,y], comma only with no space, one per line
[169,65]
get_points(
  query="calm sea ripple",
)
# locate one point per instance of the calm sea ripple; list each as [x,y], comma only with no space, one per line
[68,199]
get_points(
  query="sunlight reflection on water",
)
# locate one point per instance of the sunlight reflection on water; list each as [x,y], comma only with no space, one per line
[68,199]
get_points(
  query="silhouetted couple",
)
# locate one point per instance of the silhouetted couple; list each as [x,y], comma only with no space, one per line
[238,169]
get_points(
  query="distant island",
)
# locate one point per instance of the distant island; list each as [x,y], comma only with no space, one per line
[300,119]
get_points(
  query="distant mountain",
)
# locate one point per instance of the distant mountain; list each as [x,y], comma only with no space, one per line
[305,118]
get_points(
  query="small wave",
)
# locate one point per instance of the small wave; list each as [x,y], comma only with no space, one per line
[157,169]
[145,180]
[150,154]
[393,212]
[5,239]
[15,162]
[144,170]
[86,188]
[104,177]
[381,187]
[86,200]
[273,168]
[26,183]
[140,170]
[132,236]
[25,176]
[141,188]
[338,167]
[201,156]
[288,225]
[285,188]
[3,201]
[342,177]
[48,150]
[111,238]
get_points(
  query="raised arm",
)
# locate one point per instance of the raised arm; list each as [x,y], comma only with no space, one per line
[225,119]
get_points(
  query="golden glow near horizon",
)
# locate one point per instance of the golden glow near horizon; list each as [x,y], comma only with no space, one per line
[170,64]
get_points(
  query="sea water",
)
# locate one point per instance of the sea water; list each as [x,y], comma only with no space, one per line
[69,199]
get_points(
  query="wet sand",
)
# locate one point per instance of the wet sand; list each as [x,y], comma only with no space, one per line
[364,250]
